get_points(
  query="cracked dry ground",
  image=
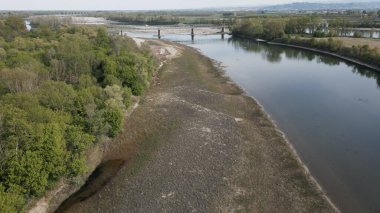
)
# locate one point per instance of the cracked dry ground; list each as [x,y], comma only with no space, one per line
[201,145]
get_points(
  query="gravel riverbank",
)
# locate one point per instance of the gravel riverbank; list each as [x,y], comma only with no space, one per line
[199,144]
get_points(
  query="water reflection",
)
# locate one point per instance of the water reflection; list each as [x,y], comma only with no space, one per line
[274,54]
[328,108]
[367,73]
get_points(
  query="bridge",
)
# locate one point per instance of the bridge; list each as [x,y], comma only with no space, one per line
[192,32]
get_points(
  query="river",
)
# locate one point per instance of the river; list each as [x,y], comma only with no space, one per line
[327,108]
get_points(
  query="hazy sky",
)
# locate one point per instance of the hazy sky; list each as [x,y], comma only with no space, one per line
[135,4]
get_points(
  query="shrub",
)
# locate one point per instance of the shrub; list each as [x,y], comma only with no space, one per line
[114,118]
[127,95]
[357,34]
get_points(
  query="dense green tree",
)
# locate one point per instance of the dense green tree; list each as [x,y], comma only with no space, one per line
[10,202]
[114,118]
[102,39]
[18,80]
[11,27]
[3,54]
[274,29]
[77,141]
[62,88]
[61,96]
[252,28]
[75,54]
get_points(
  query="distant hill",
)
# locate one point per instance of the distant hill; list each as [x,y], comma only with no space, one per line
[324,6]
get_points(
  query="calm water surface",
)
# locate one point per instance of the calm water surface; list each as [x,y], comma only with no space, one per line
[328,109]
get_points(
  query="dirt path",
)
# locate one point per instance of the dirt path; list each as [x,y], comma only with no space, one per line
[203,146]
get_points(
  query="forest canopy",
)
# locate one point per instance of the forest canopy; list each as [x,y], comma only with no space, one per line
[62,89]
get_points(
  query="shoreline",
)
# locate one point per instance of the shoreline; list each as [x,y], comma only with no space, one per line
[224,84]
[344,58]
[221,70]
[297,156]
[274,123]
[97,155]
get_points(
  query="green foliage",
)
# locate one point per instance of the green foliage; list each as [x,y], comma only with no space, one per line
[62,89]
[357,34]
[102,39]
[86,81]
[296,25]
[3,54]
[255,28]
[251,28]
[11,27]
[115,97]
[18,80]
[274,28]
[363,53]
[113,118]
[74,53]
[10,202]
[77,141]
[270,28]
[127,96]
[319,34]
[60,96]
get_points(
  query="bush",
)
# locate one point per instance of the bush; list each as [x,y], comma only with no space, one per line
[61,96]
[357,34]
[114,118]
[18,80]
[11,202]
[127,95]
[319,34]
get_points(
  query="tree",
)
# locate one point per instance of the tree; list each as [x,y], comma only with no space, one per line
[75,55]
[77,142]
[10,202]
[62,89]
[252,28]
[296,25]
[12,27]
[57,96]
[18,80]
[274,29]
[102,39]
[115,97]
[113,118]
[3,54]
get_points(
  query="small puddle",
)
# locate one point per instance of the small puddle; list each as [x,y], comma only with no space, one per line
[99,178]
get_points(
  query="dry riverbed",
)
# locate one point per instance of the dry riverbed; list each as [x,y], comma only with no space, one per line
[197,143]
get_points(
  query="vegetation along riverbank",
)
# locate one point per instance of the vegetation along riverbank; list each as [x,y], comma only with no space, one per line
[196,142]
[64,91]
[239,159]
[277,31]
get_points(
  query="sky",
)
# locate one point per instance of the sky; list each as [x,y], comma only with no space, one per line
[137,4]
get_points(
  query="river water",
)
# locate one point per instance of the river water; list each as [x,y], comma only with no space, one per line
[328,109]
